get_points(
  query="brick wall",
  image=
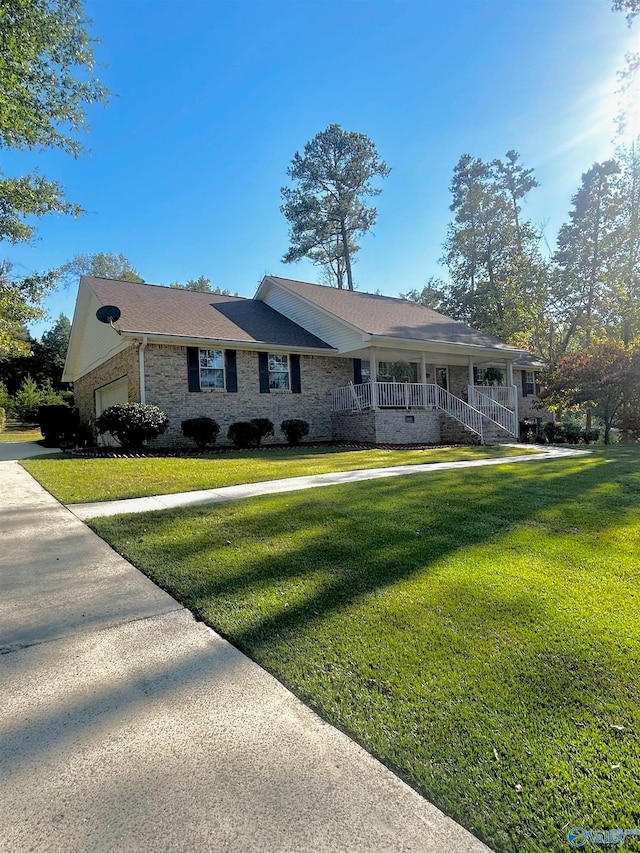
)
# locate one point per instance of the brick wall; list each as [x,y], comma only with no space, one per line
[526,410]
[388,426]
[125,363]
[354,426]
[167,387]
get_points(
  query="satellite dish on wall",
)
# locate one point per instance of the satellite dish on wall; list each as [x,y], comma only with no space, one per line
[108,314]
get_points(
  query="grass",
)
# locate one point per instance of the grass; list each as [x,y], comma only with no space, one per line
[74,480]
[15,431]
[477,630]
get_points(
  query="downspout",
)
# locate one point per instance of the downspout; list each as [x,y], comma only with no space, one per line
[141,350]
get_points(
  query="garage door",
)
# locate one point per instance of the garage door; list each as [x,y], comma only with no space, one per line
[112,394]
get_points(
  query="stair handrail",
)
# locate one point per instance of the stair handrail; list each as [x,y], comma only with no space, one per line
[505,418]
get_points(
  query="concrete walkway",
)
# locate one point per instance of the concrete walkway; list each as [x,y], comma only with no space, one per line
[202,497]
[126,725]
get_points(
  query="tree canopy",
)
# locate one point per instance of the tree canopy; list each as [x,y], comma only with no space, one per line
[202,284]
[46,84]
[101,265]
[326,209]
[497,274]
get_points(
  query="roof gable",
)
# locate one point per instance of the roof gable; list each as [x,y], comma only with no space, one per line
[387,316]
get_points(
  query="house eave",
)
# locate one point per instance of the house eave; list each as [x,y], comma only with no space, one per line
[189,341]
[453,347]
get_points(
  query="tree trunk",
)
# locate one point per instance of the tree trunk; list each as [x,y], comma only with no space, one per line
[347,259]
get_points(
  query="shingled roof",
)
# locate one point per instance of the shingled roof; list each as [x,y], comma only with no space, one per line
[150,309]
[390,317]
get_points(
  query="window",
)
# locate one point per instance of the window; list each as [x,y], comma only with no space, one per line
[385,371]
[480,375]
[529,383]
[211,364]
[278,372]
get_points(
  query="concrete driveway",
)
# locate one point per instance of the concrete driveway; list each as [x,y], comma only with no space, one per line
[14,450]
[127,725]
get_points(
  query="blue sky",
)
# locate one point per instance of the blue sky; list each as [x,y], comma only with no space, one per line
[212,99]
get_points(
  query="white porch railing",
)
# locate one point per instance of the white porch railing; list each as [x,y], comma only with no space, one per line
[503,394]
[406,395]
[492,409]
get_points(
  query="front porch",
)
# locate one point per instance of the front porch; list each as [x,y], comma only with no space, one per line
[424,413]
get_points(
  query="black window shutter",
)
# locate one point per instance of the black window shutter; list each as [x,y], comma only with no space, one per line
[475,375]
[357,371]
[193,369]
[231,372]
[294,360]
[524,383]
[263,368]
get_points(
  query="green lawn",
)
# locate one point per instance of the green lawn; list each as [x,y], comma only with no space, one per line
[478,630]
[20,432]
[74,480]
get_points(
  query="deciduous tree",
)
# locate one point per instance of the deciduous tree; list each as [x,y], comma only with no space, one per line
[46,84]
[598,379]
[101,265]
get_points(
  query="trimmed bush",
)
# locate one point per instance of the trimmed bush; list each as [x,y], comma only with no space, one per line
[58,424]
[554,433]
[132,423]
[243,434]
[264,427]
[294,429]
[202,431]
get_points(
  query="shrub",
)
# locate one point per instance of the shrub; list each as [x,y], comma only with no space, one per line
[58,424]
[3,418]
[132,423]
[27,401]
[201,430]
[294,429]
[29,397]
[84,435]
[6,402]
[243,434]
[264,427]
[589,435]
[554,433]
[572,432]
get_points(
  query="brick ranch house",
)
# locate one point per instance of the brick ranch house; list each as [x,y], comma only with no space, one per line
[298,350]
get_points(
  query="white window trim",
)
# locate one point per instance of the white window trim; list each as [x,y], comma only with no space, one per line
[210,389]
[532,385]
[269,372]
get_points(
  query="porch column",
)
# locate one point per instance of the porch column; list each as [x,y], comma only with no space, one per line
[423,368]
[509,372]
[514,391]
[471,382]
[373,367]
